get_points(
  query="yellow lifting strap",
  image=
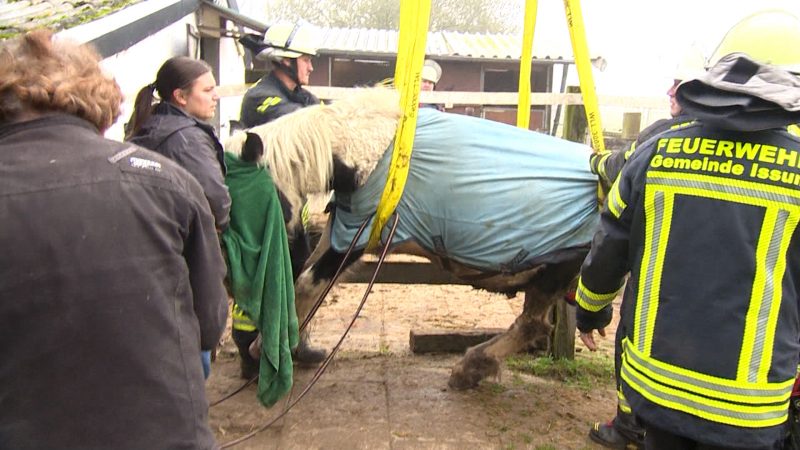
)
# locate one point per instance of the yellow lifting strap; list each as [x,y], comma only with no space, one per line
[414,17]
[525,61]
[577,35]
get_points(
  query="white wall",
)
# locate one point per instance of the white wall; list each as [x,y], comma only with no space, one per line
[137,66]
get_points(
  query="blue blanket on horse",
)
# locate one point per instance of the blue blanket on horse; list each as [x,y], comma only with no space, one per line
[482,193]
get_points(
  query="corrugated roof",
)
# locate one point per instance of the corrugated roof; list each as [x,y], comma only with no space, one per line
[441,44]
[25,15]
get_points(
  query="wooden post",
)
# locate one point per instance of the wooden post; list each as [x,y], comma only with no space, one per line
[575,123]
[564,330]
[631,121]
[563,314]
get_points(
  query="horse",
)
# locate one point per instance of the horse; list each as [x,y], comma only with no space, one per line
[502,208]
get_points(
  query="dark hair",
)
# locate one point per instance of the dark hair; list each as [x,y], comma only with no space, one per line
[41,74]
[178,72]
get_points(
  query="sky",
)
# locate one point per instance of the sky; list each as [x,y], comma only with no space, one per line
[643,40]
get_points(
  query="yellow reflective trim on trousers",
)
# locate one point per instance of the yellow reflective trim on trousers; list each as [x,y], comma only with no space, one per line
[615,203]
[622,402]
[716,411]
[658,217]
[241,321]
[592,301]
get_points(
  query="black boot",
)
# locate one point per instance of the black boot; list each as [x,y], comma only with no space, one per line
[622,433]
[306,354]
[248,365]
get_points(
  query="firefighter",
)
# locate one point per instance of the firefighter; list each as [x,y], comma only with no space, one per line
[622,432]
[429,77]
[704,217]
[608,164]
[289,47]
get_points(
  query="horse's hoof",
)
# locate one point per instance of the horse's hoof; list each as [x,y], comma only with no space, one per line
[469,372]
[461,382]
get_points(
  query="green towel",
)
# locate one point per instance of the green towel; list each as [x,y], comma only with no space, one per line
[260,272]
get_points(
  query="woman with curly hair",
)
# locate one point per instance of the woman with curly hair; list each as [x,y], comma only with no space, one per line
[111,276]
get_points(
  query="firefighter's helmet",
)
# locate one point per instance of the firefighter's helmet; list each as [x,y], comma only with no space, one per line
[289,40]
[691,65]
[431,71]
[769,37]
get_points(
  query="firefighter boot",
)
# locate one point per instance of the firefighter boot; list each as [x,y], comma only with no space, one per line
[305,354]
[622,433]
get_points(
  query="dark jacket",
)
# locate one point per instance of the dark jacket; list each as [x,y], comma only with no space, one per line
[269,99]
[110,285]
[705,218]
[608,164]
[193,144]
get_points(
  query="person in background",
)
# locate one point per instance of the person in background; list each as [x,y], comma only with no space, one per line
[622,432]
[111,275]
[430,75]
[705,219]
[608,164]
[289,47]
[177,126]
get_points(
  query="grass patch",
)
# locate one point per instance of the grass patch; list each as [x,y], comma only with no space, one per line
[584,372]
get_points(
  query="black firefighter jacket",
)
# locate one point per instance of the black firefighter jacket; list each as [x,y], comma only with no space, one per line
[110,285]
[705,219]
[193,144]
[269,99]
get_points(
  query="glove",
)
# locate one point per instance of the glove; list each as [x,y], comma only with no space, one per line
[588,321]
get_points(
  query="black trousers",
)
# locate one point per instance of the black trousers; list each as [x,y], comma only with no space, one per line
[658,439]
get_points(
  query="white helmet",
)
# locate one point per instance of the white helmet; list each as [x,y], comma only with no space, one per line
[691,65]
[289,40]
[431,71]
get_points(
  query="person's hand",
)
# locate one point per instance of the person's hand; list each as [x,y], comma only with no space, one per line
[588,338]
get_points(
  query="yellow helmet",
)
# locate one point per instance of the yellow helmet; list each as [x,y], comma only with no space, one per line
[431,71]
[769,37]
[289,40]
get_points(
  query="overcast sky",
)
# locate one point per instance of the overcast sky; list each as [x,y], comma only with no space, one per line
[643,40]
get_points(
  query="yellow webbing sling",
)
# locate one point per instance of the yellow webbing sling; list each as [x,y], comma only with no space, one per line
[414,16]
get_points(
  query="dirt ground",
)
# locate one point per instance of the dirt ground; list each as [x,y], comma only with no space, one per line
[377,394]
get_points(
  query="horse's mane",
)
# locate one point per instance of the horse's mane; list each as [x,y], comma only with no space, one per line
[299,147]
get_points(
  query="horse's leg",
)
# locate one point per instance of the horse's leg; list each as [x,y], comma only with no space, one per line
[531,328]
[312,281]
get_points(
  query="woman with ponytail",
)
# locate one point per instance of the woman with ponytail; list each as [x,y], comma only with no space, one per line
[176,126]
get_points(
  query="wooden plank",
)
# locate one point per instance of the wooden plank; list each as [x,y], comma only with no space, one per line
[478,98]
[404,272]
[449,341]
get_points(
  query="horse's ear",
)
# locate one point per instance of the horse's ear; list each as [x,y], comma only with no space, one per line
[235,126]
[253,148]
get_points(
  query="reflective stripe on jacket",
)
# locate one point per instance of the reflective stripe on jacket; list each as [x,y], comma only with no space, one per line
[705,220]
[269,99]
